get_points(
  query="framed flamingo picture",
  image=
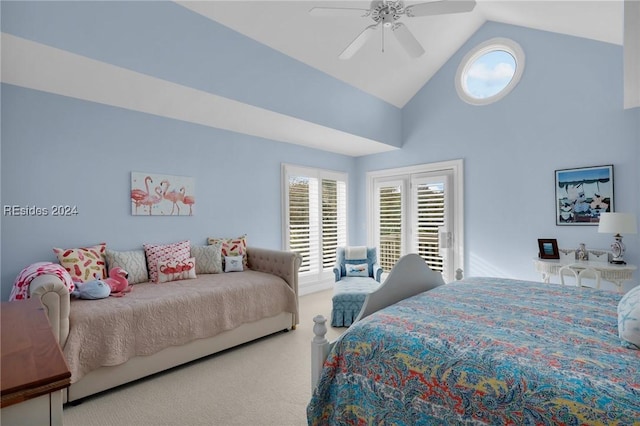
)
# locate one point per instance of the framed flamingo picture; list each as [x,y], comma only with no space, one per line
[154,194]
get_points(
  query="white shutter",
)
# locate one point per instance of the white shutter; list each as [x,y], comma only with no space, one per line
[390,238]
[334,223]
[428,220]
[299,225]
[314,224]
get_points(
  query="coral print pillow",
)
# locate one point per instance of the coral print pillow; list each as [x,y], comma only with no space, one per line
[233,247]
[173,270]
[357,270]
[157,253]
[84,263]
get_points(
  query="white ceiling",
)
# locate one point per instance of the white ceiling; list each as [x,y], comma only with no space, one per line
[394,76]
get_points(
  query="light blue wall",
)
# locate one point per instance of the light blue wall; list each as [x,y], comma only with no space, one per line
[168,41]
[566,112]
[57,150]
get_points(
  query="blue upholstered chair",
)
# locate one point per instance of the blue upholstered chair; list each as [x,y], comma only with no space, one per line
[357,274]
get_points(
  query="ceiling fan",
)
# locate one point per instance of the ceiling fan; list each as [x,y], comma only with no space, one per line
[386,13]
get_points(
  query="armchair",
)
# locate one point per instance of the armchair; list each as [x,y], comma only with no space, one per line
[357,273]
[356,256]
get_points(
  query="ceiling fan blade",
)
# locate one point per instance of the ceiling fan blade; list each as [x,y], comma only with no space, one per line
[338,11]
[359,41]
[407,40]
[440,7]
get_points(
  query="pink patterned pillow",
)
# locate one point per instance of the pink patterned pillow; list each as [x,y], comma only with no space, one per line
[158,253]
[173,270]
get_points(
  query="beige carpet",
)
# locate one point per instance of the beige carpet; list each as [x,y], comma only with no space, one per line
[266,382]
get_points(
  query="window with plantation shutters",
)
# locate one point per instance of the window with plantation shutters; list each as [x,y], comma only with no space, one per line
[418,209]
[315,219]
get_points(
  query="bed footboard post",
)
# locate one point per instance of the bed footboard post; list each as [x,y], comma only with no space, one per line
[319,349]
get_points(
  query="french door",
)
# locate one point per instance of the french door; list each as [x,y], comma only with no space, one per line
[418,210]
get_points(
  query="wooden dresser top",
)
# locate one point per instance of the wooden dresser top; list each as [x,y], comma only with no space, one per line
[32,363]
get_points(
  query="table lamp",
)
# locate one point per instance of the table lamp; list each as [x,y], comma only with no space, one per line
[617,223]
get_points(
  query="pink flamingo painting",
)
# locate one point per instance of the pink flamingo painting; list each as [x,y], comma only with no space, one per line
[138,195]
[188,200]
[173,196]
[162,195]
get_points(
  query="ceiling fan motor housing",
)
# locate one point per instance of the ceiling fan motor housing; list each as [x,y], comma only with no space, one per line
[386,12]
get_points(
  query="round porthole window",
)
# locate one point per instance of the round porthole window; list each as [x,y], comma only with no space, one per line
[489,71]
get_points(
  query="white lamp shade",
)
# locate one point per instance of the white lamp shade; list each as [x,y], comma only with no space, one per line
[618,223]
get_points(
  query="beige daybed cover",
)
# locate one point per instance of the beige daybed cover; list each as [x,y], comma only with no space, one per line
[108,332]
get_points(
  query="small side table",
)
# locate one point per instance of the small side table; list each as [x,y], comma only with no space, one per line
[34,371]
[616,274]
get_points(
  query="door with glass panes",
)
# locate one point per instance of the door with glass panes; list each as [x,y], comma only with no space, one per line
[414,213]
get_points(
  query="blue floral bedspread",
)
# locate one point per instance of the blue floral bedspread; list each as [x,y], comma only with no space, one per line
[484,351]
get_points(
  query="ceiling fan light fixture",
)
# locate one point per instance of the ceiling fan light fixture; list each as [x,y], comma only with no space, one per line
[387,13]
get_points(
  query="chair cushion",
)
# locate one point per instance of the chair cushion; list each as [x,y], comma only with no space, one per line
[348,297]
[355,285]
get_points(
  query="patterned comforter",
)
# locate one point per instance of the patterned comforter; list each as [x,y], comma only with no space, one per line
[484,351]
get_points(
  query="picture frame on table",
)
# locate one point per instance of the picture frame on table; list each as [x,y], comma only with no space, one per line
[582,194]
[548,249]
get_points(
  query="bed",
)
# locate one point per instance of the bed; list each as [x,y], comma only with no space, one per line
[478,351]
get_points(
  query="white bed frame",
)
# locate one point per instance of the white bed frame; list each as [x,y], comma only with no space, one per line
[410,276]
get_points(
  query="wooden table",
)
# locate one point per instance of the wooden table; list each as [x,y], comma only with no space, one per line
[33,369]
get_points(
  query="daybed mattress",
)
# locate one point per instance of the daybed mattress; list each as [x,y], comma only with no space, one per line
[109,331]
[484,351]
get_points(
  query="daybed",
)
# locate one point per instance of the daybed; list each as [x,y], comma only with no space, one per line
[112,341]
[480,351]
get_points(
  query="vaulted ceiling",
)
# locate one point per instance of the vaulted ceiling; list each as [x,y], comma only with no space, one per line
[287,27]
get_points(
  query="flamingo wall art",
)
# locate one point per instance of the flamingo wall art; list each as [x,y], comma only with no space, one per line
[162,195]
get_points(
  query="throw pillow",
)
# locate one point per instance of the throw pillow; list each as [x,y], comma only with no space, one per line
[233,247]
[132,261]
[357,270]
[629,319]
[173,270]
[208,258]
[84,263]
[233,263]
[158,253]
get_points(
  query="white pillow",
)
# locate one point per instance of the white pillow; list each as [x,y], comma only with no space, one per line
[233,263]
[357,269]
[629,319]
[133,261]
[208,258]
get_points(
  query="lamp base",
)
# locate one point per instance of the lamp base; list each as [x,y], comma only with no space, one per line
[617,249]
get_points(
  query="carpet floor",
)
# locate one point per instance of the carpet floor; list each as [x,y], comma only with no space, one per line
[265,382]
